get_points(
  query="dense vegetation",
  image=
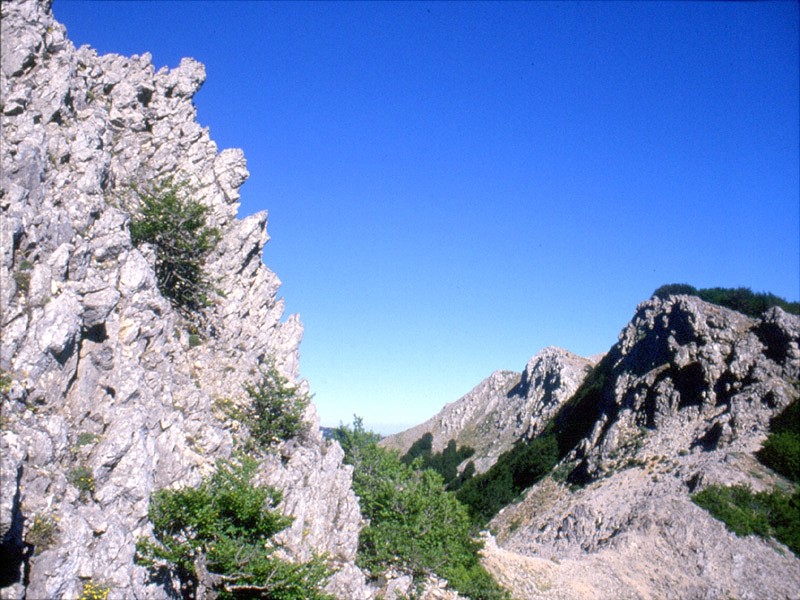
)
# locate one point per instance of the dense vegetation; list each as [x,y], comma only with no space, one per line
[445,462]
[519,468]
[218,537]
[781,450]
[176,228]
[767,514]
[414,523]
[740,299]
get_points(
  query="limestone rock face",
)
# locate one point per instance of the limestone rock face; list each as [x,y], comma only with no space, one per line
[503,409]
[683,400]
[105,395]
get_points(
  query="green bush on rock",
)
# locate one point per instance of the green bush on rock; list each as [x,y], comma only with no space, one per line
[218,537]
[741,299]
[276,408]
[414,523]
[176,228]
[767,514]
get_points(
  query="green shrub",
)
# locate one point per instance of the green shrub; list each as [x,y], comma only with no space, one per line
[276,408]
[414,523]
[741,299]
[176,227]
[766,514]
[781,452]
[515,470]
[218,536]
[445,462]
[85,438]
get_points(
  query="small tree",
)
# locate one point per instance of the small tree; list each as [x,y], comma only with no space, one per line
[217,539]
[276,410]
[176,228]
[414,523]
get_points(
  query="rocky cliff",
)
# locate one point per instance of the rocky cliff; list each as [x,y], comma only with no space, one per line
[100,375]
[504,408]
[682,401]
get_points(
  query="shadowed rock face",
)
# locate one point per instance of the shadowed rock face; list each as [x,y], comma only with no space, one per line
[689,375]
[683,401]
[503,409]
[101,375]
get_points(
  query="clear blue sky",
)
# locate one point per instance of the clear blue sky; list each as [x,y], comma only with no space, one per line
[453,186]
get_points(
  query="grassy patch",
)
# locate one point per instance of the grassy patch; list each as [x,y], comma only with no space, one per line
[744,512]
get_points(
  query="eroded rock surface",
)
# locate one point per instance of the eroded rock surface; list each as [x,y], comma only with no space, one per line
[102,377]
[682,402]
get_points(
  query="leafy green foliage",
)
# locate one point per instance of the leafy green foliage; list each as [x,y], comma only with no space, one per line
[781,450]
[741,299]
[176,227]
[276,409]
[218,536]
[414,523]
[445,462]
[766,514]
[515,470]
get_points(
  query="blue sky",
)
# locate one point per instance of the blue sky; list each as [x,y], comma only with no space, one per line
[453,186]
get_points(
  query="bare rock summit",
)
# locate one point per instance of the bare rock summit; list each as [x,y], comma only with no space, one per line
[502,409]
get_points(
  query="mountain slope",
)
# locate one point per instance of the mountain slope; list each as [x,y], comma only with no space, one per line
[681,402]
[503,409]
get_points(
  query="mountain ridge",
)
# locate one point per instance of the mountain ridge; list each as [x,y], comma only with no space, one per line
[682,402]
[109,393]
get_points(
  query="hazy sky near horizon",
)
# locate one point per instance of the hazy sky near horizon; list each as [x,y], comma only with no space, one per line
[453,186]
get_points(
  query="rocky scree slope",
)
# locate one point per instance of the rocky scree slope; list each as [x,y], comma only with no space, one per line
[106,397]
[682,401]
[502,409]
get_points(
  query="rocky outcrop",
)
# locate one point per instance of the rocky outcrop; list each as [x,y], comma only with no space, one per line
[503,409]
[109,393]
[682,401]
